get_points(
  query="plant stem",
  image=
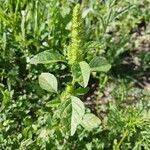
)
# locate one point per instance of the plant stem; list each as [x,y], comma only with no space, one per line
[117,147]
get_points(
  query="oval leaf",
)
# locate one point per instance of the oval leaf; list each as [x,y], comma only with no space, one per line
[99,64]
[48,82]
[72,113]
[81,73]
[90,121]
[85,71]
[46,57]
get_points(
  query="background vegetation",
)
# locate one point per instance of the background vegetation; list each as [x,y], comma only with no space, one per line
[118,93]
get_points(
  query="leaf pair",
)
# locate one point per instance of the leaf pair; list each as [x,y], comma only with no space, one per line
[73,114]
[81,74]
[97,64]
[81,71]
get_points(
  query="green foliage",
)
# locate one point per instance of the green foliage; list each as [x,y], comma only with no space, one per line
[93,123]
[46,57]
[81,73]
[48,82]
[99,64]
[127,125]
[51,53]
[72,112]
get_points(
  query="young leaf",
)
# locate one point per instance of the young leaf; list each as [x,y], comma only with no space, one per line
[46,57]
[53,103]
[99,64]
[48,82]
[81,73]
[85,71]
[81,91]
[90,121]
[72,112]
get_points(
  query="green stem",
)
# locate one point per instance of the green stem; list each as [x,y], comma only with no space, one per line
[117,147]
[68,91]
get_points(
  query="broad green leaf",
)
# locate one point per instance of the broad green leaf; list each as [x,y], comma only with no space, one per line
[85,71]
[48,82]
[81,73]
[72,113]
[46,57]
[99,64]
[90,121]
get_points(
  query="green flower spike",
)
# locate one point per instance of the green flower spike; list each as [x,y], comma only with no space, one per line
[75,50]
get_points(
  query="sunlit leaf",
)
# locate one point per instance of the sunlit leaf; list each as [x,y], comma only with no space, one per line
[99,64]
[85,72]
[81,73]
[46,57]
[72,112]
[90,121]
[48,82]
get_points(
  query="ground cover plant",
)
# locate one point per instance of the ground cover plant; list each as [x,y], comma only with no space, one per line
[74,74]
